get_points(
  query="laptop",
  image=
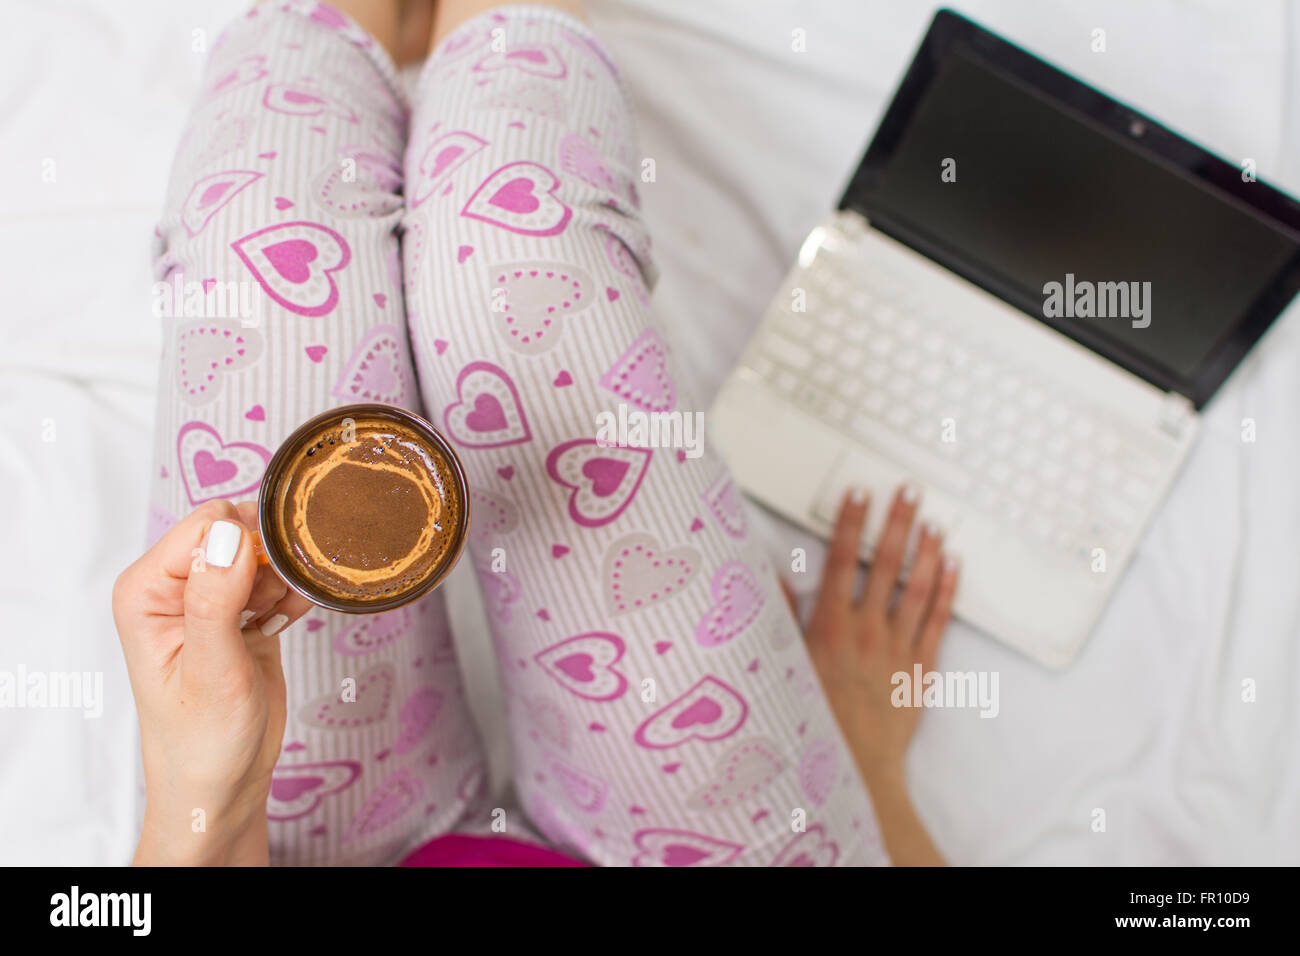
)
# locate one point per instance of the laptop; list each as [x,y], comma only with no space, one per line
[1025,299]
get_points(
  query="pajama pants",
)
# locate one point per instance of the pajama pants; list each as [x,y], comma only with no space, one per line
[477,256]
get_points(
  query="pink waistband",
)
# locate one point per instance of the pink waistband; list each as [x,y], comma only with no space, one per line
[457,849]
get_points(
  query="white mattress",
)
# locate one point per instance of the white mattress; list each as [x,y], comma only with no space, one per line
[752,143]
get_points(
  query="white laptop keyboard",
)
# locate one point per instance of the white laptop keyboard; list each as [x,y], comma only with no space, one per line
[869,357]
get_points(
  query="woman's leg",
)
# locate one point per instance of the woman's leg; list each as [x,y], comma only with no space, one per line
[281,286]
[663,710]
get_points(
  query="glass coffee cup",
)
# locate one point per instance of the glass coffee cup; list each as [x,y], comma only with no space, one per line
[364,508]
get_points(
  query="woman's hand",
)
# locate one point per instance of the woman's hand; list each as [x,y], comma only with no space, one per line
[858,642]
[199,622]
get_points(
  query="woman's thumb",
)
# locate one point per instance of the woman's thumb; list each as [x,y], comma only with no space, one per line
[216,594]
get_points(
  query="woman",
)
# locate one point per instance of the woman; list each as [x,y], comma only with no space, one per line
[477,255]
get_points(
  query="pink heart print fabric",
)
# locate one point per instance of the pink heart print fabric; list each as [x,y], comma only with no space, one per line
[478,255]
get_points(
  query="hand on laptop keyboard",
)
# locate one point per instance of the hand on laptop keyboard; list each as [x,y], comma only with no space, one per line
[858,641]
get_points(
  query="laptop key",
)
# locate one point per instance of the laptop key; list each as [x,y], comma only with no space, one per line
[875,372]
[849,357]
[848,386]
[857,331]
[875,401]
[810,397]
[900,385]
[787,352]
[825,375]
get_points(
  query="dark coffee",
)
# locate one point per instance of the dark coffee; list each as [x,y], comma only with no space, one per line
[366,506]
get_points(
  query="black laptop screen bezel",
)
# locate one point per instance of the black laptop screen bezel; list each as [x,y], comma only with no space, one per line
[950,32]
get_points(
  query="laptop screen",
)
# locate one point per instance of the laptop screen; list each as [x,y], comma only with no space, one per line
[1080,212]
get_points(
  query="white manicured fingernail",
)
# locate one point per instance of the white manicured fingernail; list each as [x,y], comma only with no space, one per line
[245,618]
[951,563]
[858,495]
[910,494]
[223,543]
[931,529]
[274,625]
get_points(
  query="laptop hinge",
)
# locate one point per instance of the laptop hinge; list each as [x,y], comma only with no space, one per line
[1175,412]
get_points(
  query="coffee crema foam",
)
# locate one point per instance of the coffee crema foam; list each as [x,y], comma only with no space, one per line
[371,518]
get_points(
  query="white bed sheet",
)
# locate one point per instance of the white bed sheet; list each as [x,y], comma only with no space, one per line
[752,142]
